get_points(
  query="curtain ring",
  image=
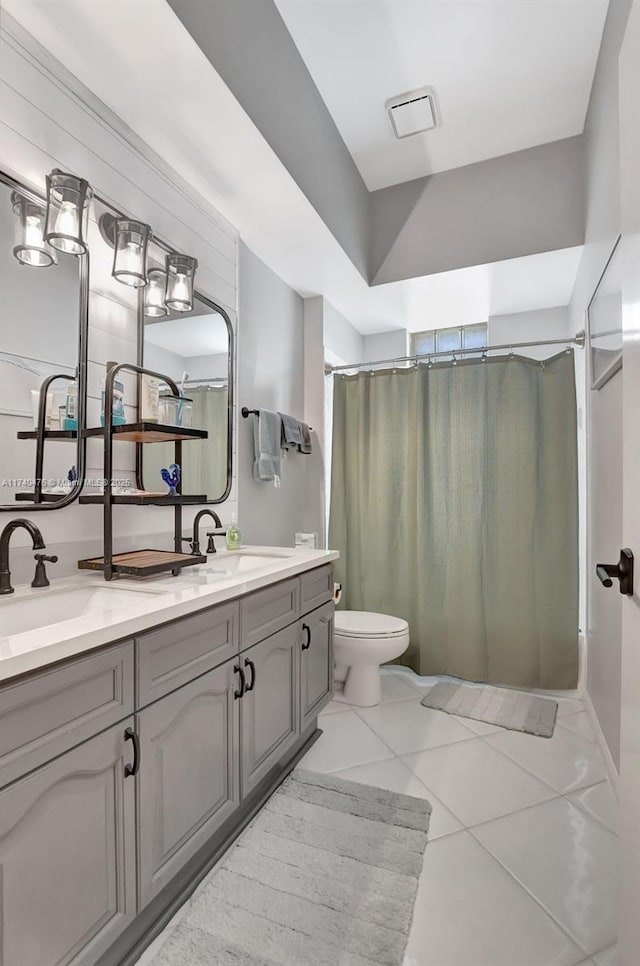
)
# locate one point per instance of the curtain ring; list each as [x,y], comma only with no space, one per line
[455,361]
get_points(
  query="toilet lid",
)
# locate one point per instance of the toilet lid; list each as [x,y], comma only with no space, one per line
[362,623]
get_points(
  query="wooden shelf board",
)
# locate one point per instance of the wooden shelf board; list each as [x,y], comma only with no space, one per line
[145,432]
[144,563]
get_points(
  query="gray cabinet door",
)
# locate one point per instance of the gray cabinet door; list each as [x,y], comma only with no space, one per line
[269,709]
[316,672]
[67,856]
[188,782]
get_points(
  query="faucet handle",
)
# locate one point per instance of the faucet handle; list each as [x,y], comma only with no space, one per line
[40,578]
[211,546]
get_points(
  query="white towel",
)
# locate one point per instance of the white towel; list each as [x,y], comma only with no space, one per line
[267,436]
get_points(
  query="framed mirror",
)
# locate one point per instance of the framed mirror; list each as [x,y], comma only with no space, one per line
[43,336]
[196,350]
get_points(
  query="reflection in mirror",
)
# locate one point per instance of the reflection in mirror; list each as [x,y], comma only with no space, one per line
[193,348]
[39,319]
[605,322]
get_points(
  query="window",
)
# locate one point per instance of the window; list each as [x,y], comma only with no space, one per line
[450,340]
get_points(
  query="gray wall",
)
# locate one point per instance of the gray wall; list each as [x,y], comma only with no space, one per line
[519,204]
[604,438]
[250,47]
[271,376]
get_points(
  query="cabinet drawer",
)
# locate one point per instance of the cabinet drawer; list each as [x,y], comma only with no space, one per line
[181,651]
[316,588]
[52,711]
[269,610]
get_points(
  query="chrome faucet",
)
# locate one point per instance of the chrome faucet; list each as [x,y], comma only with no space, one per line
[194,540]
[5,537]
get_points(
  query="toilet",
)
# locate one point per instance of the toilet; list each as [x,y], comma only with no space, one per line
[364,641]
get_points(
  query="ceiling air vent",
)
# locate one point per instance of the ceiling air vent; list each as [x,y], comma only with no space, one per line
[413,112]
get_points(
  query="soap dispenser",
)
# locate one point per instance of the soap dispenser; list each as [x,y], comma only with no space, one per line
[233,534]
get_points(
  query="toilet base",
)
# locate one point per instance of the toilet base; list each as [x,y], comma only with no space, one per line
[362,687]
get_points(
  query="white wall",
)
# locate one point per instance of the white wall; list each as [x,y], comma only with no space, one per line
[49,120]
[271,376]
[529,326]
[604,444]
[386,345]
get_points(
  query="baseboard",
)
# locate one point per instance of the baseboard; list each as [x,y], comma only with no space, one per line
[612,771]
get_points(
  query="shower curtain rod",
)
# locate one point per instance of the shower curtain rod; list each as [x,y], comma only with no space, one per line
[577,340]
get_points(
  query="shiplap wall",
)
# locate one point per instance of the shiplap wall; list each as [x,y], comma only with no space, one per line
[48,119]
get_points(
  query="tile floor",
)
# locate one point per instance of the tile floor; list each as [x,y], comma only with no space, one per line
[520,869]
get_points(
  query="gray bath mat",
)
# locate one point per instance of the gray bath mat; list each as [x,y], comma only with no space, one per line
[515,710]
[325,875]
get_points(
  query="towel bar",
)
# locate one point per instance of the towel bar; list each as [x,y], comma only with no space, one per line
[256,412]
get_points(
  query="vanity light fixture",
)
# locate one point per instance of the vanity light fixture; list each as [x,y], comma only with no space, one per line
[30,247]
[68,200]
[181,270]
[130,252]
[154,294]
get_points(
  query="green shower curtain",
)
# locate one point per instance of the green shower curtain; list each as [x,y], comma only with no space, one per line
[454,504]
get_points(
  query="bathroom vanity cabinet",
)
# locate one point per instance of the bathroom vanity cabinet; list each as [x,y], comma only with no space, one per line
[124,773]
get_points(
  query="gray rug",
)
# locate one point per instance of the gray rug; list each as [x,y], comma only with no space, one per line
[325,875]
[515,710]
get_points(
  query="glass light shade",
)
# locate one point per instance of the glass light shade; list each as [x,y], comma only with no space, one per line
[30,247]
[68,200]
[154,294]
[130,253]
[181,270]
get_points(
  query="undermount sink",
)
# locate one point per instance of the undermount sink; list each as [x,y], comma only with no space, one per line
[18,615]
[232,564]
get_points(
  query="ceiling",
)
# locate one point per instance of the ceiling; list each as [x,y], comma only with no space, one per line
[194,335]
[528,70]
[469,295]
[231,165]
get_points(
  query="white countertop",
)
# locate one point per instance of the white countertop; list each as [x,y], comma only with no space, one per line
[168,598]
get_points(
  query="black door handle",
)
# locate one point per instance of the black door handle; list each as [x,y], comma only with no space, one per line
[249,663]
[238,694]
[306,644]
[133,769]
[622,571]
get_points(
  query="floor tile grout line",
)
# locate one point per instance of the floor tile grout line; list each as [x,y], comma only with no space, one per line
[535,898]
[429,791]
[585,811]
[533,774]
[472,734]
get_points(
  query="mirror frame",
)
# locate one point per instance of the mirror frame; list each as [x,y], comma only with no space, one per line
[230,388]
[81,372]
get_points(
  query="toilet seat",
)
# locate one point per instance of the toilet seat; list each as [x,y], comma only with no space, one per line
[365,624]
